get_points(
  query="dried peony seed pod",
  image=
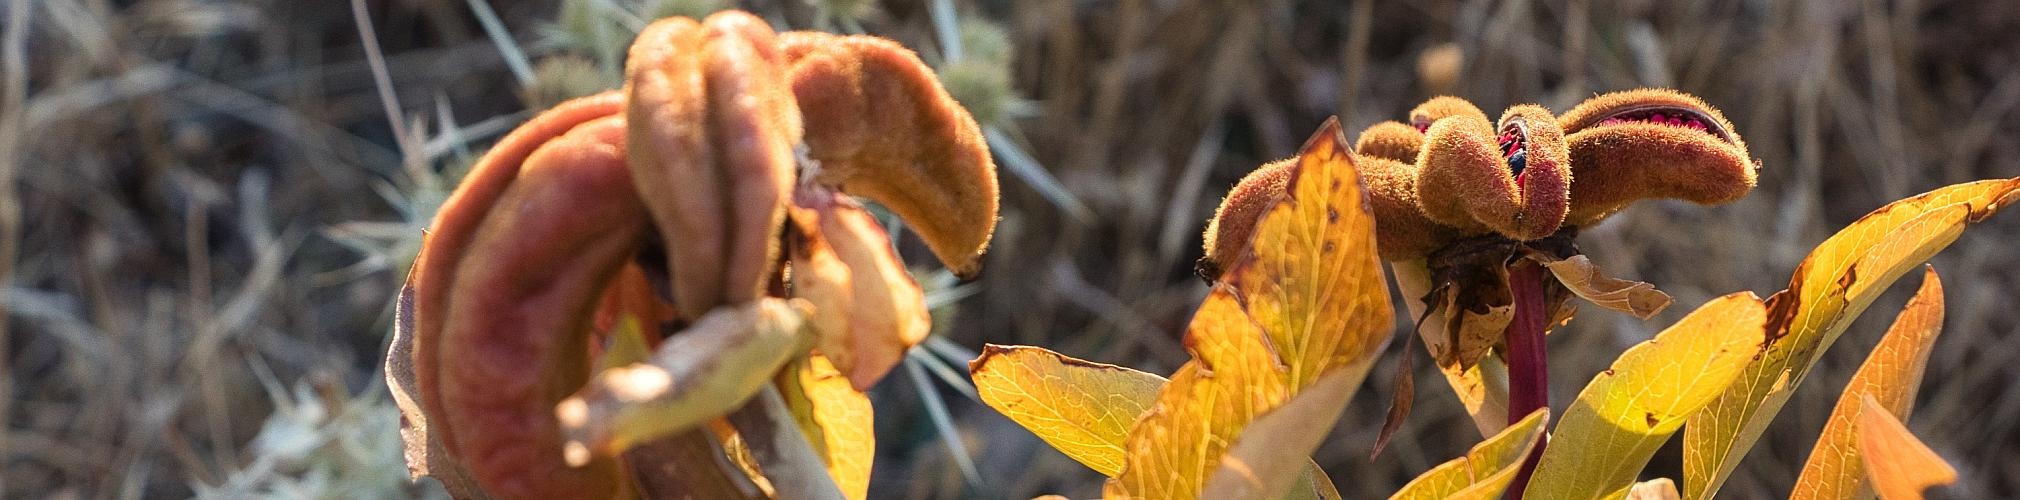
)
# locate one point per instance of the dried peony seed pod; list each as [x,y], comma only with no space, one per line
[1402,231]
[513,342]
[1651,143]
[1441,107]
[1512,179]
[713,127]
[456,224]
[1233,224]
[883,128]
[1390,140]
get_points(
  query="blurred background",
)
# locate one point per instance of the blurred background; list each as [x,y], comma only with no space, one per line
[208,205]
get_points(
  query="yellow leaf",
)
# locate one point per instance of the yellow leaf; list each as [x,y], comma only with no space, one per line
[1306,301]
[836,418]
[1486,470]
[1629,410]
[1890,375]
[1830,288]
[1081,408]
[1899,465]
[1257,466]
[1312,279]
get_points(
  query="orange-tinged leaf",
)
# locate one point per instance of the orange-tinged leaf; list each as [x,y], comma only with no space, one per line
[1629,410]
[1890,375]
[1482,387]
[1232,380]
[1082,408]
[836,419]
[1830,288]
[1485,471]
[1898,463]
[1306,302]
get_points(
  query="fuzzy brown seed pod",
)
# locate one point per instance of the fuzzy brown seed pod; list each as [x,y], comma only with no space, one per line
[1402,231]
[1441,107]
[1512,179]
[456,224]
[882,128]
[713,126]
[1390,140]
[1651,143]
[1227,235]
[514,338]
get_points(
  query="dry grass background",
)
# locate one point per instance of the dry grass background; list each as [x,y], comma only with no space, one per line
[208,209]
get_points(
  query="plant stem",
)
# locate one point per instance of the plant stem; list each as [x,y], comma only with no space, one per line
[1528,373]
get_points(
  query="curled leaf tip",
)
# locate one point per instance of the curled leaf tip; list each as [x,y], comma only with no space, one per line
[883,128]
[1651,143]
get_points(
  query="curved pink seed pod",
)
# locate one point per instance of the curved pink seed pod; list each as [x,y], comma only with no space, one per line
[1441,107]
[1233,224]
[1390,140]
[884,129]
[713,128]
[1512,180]
[1651,143]
[1402,231]
[515,336]
[456,223]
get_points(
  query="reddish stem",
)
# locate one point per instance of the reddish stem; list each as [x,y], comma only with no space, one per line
[1528,373]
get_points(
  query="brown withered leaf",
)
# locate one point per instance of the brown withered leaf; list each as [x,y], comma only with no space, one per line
[424,452]
[886,310]
[1481,387]
[1579,275]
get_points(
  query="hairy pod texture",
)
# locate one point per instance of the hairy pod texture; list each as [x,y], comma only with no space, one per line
[1390,140]
[882,128]
[1510,179]
[1233,224]
[1651,143]
[712,127]
[1442,107]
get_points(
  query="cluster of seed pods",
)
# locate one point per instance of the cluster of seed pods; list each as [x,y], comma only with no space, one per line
[1480,203]
[1450,174]
[710,198]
